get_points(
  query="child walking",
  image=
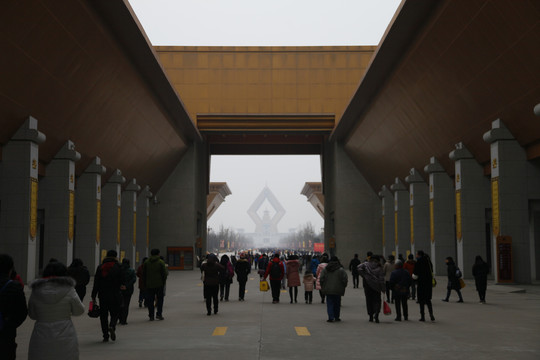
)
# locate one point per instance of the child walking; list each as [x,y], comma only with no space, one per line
[308,286]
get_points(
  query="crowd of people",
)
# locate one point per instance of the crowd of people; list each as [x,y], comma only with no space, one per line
[59,293]
[397,280]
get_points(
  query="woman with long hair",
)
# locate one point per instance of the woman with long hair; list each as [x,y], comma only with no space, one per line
[225,278]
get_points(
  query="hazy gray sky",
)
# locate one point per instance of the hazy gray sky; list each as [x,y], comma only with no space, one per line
[247,176]
[265,23]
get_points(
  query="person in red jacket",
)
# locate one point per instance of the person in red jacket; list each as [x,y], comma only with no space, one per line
[409,266]
[276,270]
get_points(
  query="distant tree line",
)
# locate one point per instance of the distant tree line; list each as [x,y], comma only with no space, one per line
[303,238]
[227,239]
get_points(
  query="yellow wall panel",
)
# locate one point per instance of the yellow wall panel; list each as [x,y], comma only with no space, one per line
[228,61]
[265,79]
[252,61]
[240,61]
[265,61]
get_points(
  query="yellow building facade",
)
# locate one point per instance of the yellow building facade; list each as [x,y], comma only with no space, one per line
[265,80]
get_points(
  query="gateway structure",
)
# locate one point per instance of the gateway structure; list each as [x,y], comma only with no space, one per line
[427,141]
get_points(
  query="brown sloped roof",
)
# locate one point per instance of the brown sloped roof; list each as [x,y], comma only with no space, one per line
[455,66]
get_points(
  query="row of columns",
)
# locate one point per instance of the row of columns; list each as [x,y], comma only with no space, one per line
[71,217]
[450,217]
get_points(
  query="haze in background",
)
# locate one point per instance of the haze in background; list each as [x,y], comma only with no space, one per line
[264,23]
[248,175]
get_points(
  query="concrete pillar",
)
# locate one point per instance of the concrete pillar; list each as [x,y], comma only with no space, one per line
[179,212]
[472,199]
[111,213]
[441,211]
[402,218]
[88,210]
[143,225]
[57,198]
[351,207]
[128,221]
[510,211]
[19,195]
[388,223]
[419,212]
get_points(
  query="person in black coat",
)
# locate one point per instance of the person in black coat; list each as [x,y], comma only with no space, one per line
[225,279]
[12,308]
[423,274]
[480,271]
[453,274]
[353,266]
[81,275]
[242,270]
[212,270]
[128,279]
[400,281]
[107,285]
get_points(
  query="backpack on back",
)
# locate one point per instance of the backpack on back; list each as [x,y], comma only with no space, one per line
[275,270]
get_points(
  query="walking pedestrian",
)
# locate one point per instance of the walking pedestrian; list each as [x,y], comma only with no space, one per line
[225,278]
[108,285]
[52,303]
[454,274]
[314,264]
[353,267]
[373,280]
[293,277]
[81,275]
[409,266]
[12,308]
[400,281]
[423,274]
[128,279]
[242,270]
[320,268]
[283,282]
[142,293]
[211,271]
[155,277]
[333,283]
[388,268]
[480,271]
[308,285]
[276,271]
[262,265]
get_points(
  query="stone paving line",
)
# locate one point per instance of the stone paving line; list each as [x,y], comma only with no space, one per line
[507,327]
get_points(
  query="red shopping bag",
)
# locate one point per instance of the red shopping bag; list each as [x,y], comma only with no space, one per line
[386,309]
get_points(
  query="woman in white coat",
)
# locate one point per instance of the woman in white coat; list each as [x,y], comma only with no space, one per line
[52,303]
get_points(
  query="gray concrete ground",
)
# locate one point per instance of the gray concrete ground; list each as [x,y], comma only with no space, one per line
[507,327]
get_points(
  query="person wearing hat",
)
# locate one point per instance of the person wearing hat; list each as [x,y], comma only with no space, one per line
[276,271]
[108,285]
[400,281]
[333,279]
[242,270]
[155,277]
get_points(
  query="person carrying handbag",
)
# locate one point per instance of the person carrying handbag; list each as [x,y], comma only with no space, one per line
[454,274]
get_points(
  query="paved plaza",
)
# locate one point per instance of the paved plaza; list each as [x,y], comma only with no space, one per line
[507,327]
